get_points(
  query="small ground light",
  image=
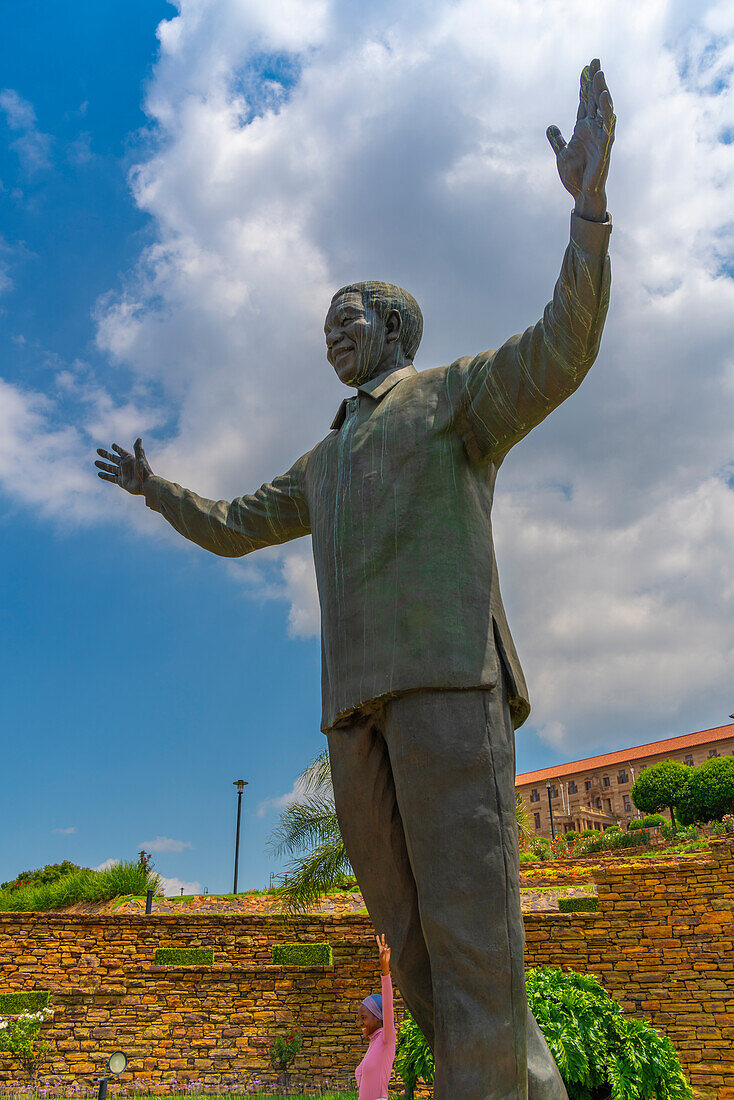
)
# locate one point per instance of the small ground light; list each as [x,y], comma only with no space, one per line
[116,1064]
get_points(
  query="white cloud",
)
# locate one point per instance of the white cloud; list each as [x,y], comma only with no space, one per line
[164,844]
[65,832]
[173,887]
[408,144]
[106,864]
[32,146]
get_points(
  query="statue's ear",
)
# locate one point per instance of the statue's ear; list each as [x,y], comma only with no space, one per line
[393,325]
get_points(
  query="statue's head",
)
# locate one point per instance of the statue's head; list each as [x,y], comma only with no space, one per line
[371,328]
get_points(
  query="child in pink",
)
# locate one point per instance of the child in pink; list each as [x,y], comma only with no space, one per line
[377,1020]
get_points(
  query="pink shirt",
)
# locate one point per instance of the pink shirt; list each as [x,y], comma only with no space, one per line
[373,1072]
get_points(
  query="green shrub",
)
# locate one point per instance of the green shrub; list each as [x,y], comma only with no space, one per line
[637,823]
[570,836]
[653,821]
[41,876]
[413,1057]
[578,905]
[600,1053]
[541,848]
[302,954]
[614,840]
[184,956]
[81,886]
[528,857]
[12,1004]
[659,787]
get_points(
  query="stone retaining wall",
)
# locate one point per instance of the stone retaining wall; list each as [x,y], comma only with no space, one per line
[662,944]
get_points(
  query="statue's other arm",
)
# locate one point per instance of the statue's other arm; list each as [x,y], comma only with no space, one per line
[503,394]
[276,513]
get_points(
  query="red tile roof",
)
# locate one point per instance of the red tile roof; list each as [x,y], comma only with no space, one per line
[624,756]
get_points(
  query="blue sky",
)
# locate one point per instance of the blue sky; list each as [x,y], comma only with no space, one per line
[174,213]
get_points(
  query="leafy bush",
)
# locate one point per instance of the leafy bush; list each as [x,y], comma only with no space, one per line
[599,1052]
[653,821]
[413,1057]
[637,823]
[541,848]
[81,886]
[184,956]
[578,905]
[42,876]
[709,793]
[615,840]
[302,954]
[528,857]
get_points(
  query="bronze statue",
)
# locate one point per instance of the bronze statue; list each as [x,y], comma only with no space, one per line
[422,686]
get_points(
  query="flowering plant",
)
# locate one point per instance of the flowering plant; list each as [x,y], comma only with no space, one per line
[19,1038]
[283,1050]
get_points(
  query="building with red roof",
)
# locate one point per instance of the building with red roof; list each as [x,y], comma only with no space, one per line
[595,793]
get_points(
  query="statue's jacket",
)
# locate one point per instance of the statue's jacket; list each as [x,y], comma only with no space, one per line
[398,499]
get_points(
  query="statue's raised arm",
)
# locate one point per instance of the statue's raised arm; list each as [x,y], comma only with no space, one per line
[502,395]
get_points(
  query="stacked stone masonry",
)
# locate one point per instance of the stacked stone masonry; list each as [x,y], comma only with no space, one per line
[662,943]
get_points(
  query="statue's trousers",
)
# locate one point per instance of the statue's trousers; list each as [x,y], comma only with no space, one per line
[425,794]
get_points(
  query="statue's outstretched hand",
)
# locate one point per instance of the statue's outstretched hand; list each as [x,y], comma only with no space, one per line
[583,163]
[129,471]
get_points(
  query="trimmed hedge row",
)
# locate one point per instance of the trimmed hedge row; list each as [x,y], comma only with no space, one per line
[578,905]
[303,954]
[184,956]
[15,1004]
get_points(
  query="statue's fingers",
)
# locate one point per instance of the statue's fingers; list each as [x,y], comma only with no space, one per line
[108,477]
[583,93]
[139,452]
[121,451]
[108,467]
[606,107]
[555,137]
[106,454]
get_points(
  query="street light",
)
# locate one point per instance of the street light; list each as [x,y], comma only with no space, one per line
[550,807]
[116,1064]
[240,784]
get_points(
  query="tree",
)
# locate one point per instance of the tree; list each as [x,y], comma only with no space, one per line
[309,832]
[659,787]
[709,792]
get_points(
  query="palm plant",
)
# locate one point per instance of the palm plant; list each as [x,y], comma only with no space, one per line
[308,831]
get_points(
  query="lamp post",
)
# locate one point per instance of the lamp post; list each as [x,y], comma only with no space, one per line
[240,784]
[550,807]
[116,1064]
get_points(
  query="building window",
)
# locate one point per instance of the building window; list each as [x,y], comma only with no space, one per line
[587,785]
[627,804]
[712,752]
[537,820]
[608,804]
[607,781]
[554,791]
[572,787]
[598,803]
[622,777]
[688,760]
[534,796]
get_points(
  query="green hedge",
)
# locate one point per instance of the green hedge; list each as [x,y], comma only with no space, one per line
[14,1004]
[184,956]
[578,905]
[302,954]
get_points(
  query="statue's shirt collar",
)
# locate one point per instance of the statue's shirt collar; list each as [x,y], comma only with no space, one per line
[376,388]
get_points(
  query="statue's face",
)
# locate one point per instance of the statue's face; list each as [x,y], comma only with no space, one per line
[355,339]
